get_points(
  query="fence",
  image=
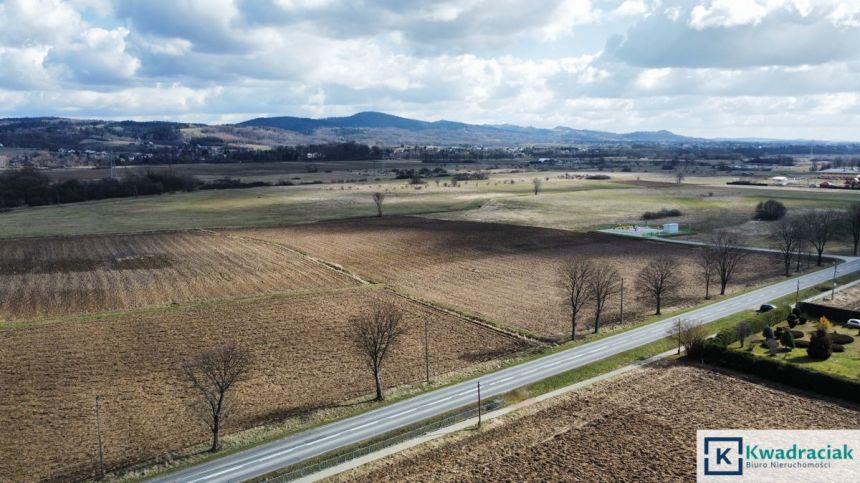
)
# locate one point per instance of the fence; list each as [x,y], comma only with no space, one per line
[328,462]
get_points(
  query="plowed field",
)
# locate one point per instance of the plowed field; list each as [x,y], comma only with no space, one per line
[53,277]
[52,373]
[505,273]
[640,427]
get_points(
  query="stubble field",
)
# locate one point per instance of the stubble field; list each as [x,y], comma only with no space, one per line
[302,361]
[505,273]
[54,277]
[639,427]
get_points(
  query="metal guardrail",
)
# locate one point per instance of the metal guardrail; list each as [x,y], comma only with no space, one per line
[310,469]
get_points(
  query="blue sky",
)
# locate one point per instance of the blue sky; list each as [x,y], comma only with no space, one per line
[714,68]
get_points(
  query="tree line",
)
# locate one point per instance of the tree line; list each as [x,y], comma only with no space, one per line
[588,283]
[31,187]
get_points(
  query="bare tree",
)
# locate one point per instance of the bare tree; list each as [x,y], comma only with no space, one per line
[708,267]
[821,227]
[854,224]
[679,177]
[658,280]
[374,334]
[378,198]
[787,235]
[604,283]
[213,374]
[688,333]
[728,253]
[536,184]
[576,275]
[801,244]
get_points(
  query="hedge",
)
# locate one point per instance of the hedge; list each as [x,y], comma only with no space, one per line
[756,324]
[832,313]
[788,374]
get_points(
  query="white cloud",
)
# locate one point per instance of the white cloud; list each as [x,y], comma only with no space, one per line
[727,13]
[698,66]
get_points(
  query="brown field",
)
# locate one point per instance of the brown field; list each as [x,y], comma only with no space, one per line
[52,277]
[52,372]
[639,427]
[505,273]
[848,298]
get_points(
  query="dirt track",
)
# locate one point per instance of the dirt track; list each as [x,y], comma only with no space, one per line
[638,427]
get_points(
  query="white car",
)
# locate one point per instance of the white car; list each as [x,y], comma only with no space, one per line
[853,324]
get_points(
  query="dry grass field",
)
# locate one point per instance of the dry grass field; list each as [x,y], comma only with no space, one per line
[53,277]
[505,273]
[639,427]
[52,372]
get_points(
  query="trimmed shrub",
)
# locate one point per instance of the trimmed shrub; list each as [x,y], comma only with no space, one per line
[756,324]
[769,210]
[841,339]
[787,339]
[801,320]
[801,344]
[820,346]
[837,348]
[797,334]
[768,332]
[792,321]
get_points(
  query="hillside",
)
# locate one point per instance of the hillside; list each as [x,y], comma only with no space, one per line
[388,129]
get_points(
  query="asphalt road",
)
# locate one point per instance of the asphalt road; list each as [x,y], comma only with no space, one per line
[299,447]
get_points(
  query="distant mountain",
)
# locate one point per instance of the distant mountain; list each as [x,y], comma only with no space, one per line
[389,129]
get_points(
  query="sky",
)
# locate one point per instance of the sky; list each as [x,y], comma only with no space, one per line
[710,68]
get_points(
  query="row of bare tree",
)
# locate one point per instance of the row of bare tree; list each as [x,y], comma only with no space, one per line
[585,282]
[792,235]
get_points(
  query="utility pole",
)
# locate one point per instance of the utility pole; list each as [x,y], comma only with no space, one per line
[479,404]
[622,301]
[99,435]
[833,290]
[797,294]
[426,351]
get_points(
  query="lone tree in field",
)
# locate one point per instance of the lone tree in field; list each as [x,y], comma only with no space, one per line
[679,177]
[854,224]
[576,275]
[213,374]
[374,334]
[689,335]
[787,236]
[378,198]
[536,185]
[659,280]
[708,267]
[821,228]
[605,282]
[728,253]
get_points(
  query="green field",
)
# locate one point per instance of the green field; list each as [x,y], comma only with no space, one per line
[575,204]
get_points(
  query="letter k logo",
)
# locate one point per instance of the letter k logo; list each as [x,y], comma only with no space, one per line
[723,456]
